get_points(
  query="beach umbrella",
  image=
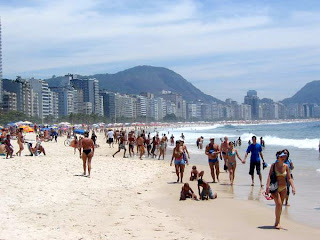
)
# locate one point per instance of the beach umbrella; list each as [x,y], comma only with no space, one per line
[64,124]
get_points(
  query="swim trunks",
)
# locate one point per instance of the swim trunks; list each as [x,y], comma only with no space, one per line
[213,160]
[87,151]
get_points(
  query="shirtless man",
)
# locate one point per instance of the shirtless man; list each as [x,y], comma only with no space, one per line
[224,150]
[140,144]
[122,142]
[213,151]
[131,140]
[88,151]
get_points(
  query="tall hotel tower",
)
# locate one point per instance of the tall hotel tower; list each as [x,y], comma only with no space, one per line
[0,69]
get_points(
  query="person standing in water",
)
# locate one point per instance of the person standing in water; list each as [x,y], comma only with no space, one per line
[289,162]
[282,173]
[224,150]
[256,152]
[231,161]
[87,153]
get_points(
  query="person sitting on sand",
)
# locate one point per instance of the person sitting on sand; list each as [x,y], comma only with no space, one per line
[187,192]
[9,147]
[38,149]
[206,192]
[87,153]
[194,173]
[281,172]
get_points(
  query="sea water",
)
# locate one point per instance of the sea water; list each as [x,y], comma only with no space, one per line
[300,138]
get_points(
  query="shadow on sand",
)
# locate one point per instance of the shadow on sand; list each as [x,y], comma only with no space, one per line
[271,228]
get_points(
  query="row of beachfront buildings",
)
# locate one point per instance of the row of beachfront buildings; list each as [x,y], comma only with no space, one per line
[37,98]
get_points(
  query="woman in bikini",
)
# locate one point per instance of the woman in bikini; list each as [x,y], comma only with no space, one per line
[179,163]
[162,147]
[20,141]
[231,161]
[282,172]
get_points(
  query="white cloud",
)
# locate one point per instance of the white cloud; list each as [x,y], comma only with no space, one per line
[59,34]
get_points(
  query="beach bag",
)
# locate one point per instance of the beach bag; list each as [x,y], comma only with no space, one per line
[273,181]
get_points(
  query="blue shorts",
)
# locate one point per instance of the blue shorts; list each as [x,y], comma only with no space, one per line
[179,162]
[213,160]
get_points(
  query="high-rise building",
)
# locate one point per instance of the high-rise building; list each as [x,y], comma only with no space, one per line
[252,100]
[42,89]
[90,89]
[1,90]
[9,101]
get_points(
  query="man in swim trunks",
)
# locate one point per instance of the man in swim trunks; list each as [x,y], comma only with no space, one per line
[131,140]
[122,142]
[87,146]
[213,151]
[224,150]
[256,152]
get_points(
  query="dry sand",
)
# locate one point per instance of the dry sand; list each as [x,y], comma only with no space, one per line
[43,198]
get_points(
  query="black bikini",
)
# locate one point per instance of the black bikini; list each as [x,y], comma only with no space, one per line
[87,151]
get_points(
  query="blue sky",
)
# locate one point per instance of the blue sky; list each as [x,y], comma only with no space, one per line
[223,47]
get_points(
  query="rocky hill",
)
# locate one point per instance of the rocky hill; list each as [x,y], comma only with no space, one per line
[145,79]
[310,93]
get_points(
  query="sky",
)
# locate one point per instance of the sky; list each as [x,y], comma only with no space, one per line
[223,47]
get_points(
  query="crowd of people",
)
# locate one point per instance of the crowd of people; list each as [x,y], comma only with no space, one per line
[142,144]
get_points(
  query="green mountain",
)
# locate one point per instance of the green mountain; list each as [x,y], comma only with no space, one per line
[145,79]
[310,93]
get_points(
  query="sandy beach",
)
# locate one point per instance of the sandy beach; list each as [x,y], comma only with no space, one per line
[45,198]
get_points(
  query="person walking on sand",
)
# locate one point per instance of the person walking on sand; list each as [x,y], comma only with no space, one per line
[213,151]
[289,162]
[281,172]
[162,147]
[131,141]
[231,161]
[20,141]
[256,152]
[179,163]
[110,137]
[140,144]
[122,142]
[87,146]
[224,150]
[185,152]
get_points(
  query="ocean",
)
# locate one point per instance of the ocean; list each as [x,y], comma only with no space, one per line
[300,138]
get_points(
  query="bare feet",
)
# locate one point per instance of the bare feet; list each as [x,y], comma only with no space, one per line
[178,179]
[277,226]
[252,184]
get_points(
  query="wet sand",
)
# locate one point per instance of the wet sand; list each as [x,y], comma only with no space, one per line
[45,198]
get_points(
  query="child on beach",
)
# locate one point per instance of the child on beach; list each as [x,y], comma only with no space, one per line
[194,173]
[187,192]
[206,192]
